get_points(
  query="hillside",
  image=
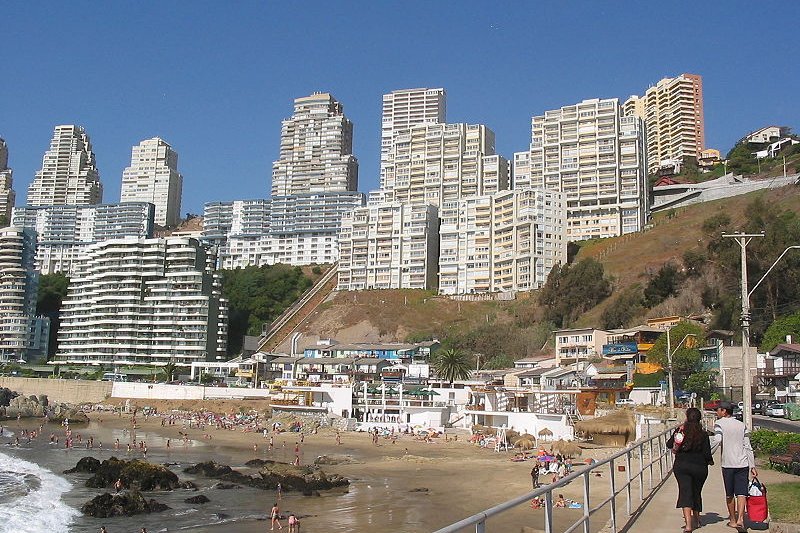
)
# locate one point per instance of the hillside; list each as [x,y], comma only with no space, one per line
[516,328]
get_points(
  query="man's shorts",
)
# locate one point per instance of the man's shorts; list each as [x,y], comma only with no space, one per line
[736,481]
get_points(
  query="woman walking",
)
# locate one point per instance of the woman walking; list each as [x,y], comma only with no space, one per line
[692,449]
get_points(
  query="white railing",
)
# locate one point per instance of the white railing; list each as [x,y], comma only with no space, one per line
[649,455]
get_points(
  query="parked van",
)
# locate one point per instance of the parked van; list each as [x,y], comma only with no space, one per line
[114,376]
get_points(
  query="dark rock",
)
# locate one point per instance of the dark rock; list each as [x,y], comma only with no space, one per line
[309,492]
[419,489]
[86,465]
[333,460]
[6,395]
[298,478]
[200,498]
[187,485]
[135,474]
[125,504]
[224,486]
[257,463]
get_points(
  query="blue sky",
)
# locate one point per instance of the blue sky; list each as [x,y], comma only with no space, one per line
[215,78]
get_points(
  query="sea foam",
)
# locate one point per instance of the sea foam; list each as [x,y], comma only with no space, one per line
[41,509]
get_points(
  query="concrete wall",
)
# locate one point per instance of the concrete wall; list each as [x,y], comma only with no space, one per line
[160,391]
[60,390]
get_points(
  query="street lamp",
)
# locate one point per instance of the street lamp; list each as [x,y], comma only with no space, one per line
[671,353]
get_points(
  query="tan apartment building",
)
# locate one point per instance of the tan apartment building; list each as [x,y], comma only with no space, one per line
[672,112]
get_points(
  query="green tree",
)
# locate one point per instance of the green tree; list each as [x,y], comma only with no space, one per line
[206,378]
[452,365]
[52,291]
[169,371]
[623,308]
[571,290]
[777,331]
[663,285]
[694,262]
[686,359]
[703,383]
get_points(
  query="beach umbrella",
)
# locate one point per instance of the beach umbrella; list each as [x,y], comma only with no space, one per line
[558,445]
[545,433]
[571,449]
[512,436]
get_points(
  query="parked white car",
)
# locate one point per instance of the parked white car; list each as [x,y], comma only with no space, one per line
[624,402]
[776,410]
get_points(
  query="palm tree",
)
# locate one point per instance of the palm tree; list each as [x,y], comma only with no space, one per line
[452,365]
[169,370]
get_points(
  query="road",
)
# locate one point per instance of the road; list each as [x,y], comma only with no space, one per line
[778,424]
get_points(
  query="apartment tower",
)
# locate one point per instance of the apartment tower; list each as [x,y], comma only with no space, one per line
[69,173]
[316,152]
[672,112]
[7,195]
[405,108]
[144,302]
[595,156]
[18,286]
[153,177]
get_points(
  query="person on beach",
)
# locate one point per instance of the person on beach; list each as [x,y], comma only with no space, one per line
[535,475]
[692,449]
[274,517]
[294,524]
[279,491]
[736,460]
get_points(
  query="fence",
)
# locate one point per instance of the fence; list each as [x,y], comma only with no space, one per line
[653,462]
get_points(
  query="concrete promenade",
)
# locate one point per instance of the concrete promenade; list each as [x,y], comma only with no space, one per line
[660,513]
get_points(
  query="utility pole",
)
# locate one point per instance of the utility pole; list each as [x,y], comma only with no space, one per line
[671,384]
[747,410]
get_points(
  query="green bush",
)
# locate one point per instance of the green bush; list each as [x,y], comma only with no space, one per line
[768,442]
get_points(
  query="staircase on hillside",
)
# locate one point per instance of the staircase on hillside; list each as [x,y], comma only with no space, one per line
[282,327]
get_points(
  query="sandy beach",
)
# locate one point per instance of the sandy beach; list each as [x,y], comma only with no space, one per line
[408,485]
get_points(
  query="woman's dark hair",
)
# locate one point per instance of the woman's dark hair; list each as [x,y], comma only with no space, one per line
[693,432]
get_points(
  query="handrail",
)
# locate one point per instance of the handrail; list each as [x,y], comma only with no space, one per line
[644,446]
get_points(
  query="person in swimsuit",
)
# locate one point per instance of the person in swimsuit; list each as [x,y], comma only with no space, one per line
[294,524]
[274,516]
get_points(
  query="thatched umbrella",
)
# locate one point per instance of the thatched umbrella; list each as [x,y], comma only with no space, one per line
[545,433]
[571,449]
[617,428]
[558,446]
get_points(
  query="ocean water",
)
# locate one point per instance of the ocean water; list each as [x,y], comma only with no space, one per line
[31,498]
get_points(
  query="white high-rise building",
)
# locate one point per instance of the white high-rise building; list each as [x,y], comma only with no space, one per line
[405,108]
[69,173]
[316,153]
[596,157]
[18,286]
[389,245]
[143,302]
[153,177]
[64,232]
[7,195]
[505,242]
[438,163]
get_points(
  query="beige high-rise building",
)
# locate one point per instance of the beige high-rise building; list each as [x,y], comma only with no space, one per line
[69,173]
[405,108]
[672,112]
[316,153]
[595,156]
[389,245]
[438,163]
[505,242]
[153,177]
[7,195]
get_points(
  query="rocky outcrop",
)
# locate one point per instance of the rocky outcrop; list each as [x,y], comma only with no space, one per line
[135,474]
[125,504]
[62,411]
[303,479]
[6,395]
[197,499]
[13,405]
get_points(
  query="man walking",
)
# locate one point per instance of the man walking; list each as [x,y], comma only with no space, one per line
[737,460]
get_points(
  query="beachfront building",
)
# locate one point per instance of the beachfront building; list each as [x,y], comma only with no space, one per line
[316,151]
[431,164]
[143,302]
[69,173]
[22,335]
[64,232]
[153,177]
[389,245]
[7,194]
[505,242]
[595,157]
[297,230]
[405,108]
[579,344]
[672,112]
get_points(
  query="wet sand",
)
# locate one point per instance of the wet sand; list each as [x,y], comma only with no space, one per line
[410,485]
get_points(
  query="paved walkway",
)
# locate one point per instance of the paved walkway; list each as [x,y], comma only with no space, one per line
[660,513]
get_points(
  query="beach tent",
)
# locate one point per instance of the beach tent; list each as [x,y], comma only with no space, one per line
[545,434]
[615,429]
